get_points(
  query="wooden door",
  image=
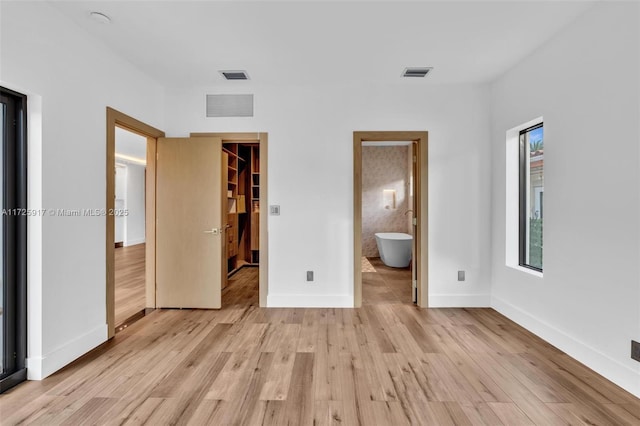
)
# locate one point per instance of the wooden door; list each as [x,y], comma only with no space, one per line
[188,223]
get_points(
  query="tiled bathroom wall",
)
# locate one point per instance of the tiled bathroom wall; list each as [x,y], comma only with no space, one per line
[384,167]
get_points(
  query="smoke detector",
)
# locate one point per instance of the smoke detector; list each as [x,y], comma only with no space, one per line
[100,17]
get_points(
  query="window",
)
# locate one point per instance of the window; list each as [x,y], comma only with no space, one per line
[13,238]
[531,193]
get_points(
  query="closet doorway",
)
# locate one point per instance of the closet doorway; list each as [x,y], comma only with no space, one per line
[245,230]
[259,140]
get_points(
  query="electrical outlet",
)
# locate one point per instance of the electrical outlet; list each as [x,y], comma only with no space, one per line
[274,210]
[309,275]
[460,275]
[635,350]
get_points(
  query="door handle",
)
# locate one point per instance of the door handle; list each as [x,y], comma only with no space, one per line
[214,231]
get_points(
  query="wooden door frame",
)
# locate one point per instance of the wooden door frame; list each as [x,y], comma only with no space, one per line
[118,119]
[421,189]
[260,138]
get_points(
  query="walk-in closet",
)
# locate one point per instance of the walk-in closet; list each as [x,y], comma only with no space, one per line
[243,205]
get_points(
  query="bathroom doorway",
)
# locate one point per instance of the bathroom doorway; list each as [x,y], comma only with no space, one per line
[387,222]
[390,205]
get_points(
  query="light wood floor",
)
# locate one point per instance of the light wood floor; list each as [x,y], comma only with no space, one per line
[386,285]
[383,364]
[129,282]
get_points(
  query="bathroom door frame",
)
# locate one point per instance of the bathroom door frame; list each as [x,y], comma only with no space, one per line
[421,188]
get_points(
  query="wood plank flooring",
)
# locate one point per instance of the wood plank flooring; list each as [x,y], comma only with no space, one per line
[383,364]
[129,282]
[384,284]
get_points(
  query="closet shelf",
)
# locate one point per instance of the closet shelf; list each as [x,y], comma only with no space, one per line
[233,154]
[243,179]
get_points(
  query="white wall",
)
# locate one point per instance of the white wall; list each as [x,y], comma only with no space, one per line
[585,83]
[135,205]
[120,224]
[311,173]
[130,202]
[131,151]
[71,79]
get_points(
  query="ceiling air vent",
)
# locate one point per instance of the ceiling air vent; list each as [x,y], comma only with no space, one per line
[416,71]
[229,105]
[235,75]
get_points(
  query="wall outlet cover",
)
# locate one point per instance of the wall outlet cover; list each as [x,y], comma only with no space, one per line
[309,275]
[635,350]
[461,275]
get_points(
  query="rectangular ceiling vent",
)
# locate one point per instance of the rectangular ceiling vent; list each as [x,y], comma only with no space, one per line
[416,72]
[235,75]
[229,105]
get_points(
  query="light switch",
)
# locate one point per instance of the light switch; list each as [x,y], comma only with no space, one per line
[274,210]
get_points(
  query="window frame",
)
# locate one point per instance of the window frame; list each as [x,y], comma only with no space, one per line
[523,196]
[14,239]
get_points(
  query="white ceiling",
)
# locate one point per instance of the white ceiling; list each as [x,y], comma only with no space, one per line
[185,43]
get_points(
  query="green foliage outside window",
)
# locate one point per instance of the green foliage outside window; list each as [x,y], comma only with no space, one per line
[535,243]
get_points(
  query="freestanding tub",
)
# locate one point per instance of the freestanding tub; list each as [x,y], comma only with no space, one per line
[395,248]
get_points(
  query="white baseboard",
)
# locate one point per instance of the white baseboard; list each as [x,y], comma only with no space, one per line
[309,301]
[623,376]
[459,300]
[40,367]
[133,242]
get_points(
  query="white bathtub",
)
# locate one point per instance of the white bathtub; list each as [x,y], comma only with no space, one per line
[395,248]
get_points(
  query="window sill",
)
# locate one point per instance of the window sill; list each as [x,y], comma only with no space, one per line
[527,270]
